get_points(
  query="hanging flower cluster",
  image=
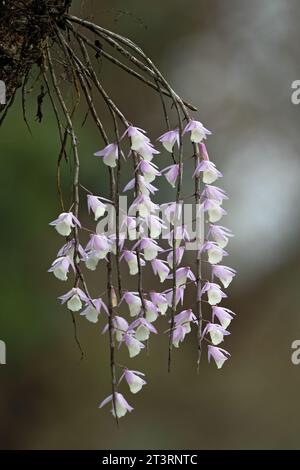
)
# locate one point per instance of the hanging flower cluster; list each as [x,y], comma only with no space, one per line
[187,264]
[211,200]
[137,241]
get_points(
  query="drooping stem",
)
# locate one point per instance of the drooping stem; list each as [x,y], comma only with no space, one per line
[114,110]
[110,331]
[84,76]
[117,205]
[198,258]
[174,266]
[24,92]
[110,37]
[138,229]
[75,177]
[63,139]
[110,289]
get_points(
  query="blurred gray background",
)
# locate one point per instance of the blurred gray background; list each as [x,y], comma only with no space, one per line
[236,61]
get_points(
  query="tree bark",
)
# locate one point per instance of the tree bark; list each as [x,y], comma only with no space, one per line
[24,27]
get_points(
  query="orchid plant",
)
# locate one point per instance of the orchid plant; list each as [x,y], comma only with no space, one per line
[187,265]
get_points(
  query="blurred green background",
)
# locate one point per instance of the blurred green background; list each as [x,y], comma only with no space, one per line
[236,61]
